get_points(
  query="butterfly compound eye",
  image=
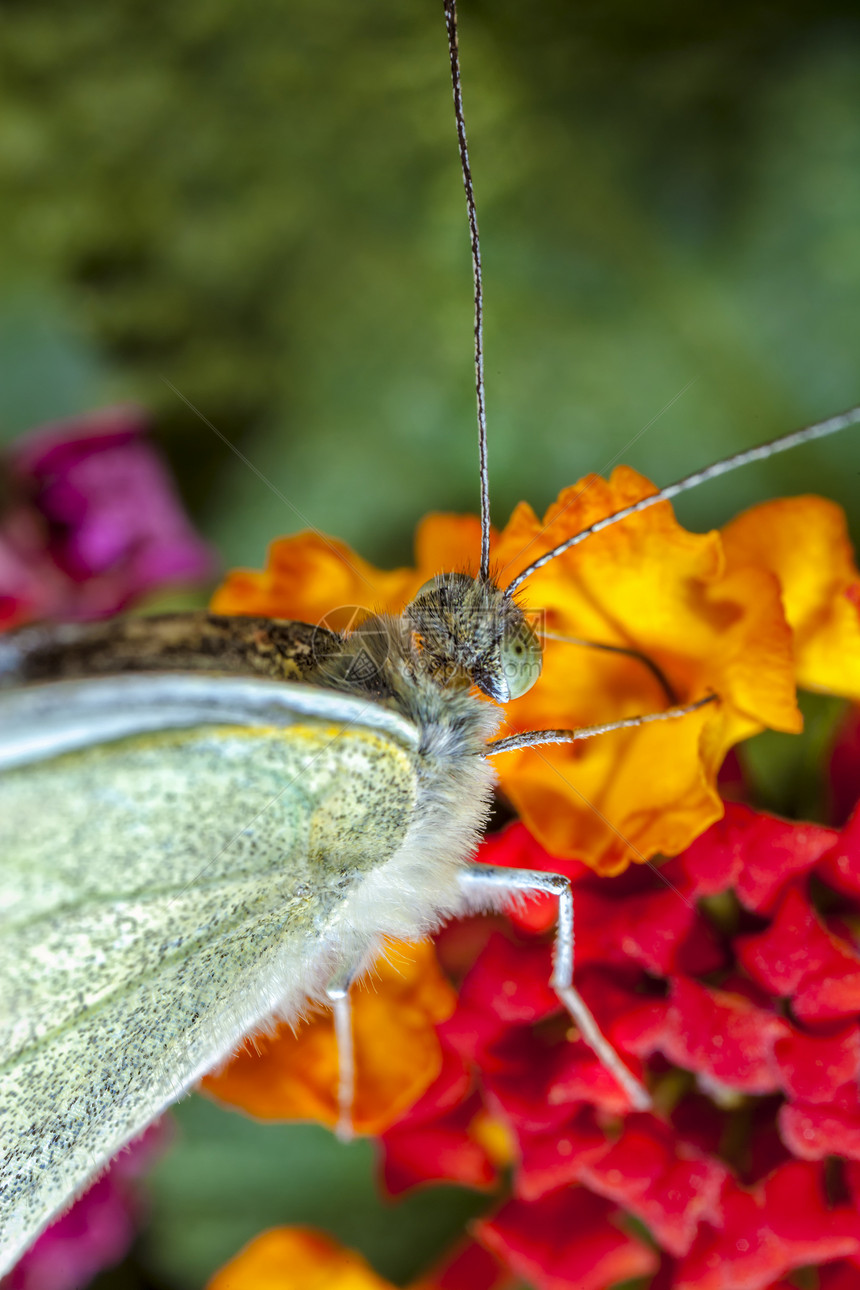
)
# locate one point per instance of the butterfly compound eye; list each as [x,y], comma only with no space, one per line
[520,658]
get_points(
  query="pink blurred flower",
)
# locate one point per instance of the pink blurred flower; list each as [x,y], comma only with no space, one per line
[89,521]
[92,521]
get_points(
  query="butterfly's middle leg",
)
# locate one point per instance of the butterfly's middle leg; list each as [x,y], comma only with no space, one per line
[337,992]
[496,881]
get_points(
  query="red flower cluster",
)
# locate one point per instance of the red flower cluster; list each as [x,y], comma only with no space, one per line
[729,981]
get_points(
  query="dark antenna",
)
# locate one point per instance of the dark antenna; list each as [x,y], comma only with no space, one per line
[454,55]
[820,430]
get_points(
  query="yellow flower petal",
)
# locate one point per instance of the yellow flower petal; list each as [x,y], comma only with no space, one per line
[296,1258]
[804,542]
[291,1076]
[649,585]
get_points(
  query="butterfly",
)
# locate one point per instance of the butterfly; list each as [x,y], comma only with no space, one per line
[206,822]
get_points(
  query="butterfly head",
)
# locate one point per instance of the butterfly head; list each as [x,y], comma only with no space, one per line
[468,630]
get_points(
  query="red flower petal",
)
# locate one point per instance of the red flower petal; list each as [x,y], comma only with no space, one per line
[508,984]
[814,1131]
[579,1074]
[432,1140]
[755,853]
[566,1242]
[741,1256]
[670,1187]
[722,1036]
[647,928]
[443,1150]
[451,1087]
[520,1073]
[512,981]
[797,956]
[840,867]
[784,1224]
[800,1217]
[471,1267]
[582,1077]
[615,921]
[555,1159]
[813,1067]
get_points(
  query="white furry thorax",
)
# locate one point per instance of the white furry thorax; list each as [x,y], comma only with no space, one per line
[413,892]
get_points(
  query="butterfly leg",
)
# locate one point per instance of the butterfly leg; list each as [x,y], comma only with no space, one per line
[337,991]
[495,883]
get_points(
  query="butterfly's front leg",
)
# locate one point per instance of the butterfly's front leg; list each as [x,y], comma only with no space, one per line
[494,882]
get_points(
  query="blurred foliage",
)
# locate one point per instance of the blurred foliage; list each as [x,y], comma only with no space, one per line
[295,1173]
[47,367]
[262,205]
[788,774]
[226,1178]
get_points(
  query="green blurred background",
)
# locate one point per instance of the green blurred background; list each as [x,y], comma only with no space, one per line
[262,205]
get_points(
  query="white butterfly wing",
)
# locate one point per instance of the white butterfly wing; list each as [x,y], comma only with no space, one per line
[159,897]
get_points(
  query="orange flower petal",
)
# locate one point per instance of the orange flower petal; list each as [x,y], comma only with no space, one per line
[397,1054]
[309,576]
[804,542]
[296,1258]
[649,585]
